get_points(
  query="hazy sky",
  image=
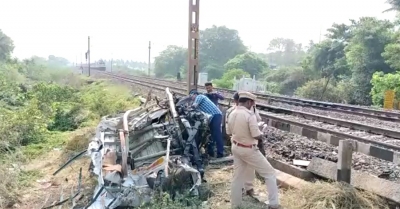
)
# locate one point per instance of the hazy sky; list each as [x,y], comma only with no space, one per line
[123,28]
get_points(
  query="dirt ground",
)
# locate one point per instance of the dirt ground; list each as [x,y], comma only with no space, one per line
[47,189]
[219,180]
[44,189]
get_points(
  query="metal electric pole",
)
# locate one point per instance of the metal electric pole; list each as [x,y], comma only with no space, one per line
[149,58]
[81,64]
[88,55]
[111,63]
[193,45]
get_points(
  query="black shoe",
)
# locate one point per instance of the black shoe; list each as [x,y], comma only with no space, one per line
[251,193]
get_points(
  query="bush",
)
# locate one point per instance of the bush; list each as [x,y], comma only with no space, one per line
[272,87]
[102,99]
[38,106]
[345,91]
[382,82]
[28,114]
[285,80]
[314,90]
[227,79]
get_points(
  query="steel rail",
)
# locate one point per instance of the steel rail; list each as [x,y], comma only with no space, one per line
[339,122]
[337,107]
[265,114]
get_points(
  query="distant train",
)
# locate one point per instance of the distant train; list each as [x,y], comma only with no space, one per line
[99,65]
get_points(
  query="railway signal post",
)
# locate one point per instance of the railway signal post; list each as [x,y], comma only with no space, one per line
[193,45]
[88,55]
[149,58]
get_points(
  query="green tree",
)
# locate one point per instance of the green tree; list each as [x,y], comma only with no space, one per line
[6,46]
[285,80]
[217,46]
[227,79]
[339,32]
[395,5]
[284,52]
[329,61]
[392,52]
[170,61]
[364,54]
[249,62]
[315,88]
[57,61]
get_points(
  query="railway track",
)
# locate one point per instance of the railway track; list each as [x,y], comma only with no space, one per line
[289,146]
[392,116]
[381,131]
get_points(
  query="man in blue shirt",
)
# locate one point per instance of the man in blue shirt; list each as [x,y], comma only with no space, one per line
[211,94]
[203,103]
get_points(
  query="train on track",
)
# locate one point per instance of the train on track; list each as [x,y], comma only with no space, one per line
[99,65]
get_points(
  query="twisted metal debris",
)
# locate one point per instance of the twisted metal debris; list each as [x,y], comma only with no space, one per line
[148,150]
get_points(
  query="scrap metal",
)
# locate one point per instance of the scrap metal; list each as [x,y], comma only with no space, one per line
[148,150]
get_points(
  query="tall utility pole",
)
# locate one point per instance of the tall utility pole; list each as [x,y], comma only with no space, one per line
[88,55]
[111,62]
[81,63]
[193,45]
[149,58]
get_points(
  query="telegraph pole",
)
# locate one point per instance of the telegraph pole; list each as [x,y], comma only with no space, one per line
[88,55]
[149,58]
[81,63]
[193,45]
[111,62]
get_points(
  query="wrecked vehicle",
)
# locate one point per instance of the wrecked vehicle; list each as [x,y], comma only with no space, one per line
[150,149]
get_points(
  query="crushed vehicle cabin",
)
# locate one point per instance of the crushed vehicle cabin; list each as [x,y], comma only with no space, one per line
[151,149]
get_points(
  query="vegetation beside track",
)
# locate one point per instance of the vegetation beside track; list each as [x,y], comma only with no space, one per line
[43,105]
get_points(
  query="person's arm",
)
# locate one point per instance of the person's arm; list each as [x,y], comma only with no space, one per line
[219,96]
[257,114]
[254,130]
[197,101]
[229,125]
[227,114]
[228,129]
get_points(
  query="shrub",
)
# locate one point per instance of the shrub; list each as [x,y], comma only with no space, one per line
[314,90]
[227,79]
[382,82]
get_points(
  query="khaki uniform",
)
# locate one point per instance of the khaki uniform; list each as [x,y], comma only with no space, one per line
[250,174]
[242,125]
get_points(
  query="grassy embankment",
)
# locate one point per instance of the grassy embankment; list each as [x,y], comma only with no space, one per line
[47,114]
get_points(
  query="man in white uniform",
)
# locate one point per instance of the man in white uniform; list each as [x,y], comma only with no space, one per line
[243,127]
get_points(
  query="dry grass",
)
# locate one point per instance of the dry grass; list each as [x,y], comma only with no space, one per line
[219,180]
[319,195]
[331,196]
[8,194]
[79,139]
[12,177]
[43,188]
